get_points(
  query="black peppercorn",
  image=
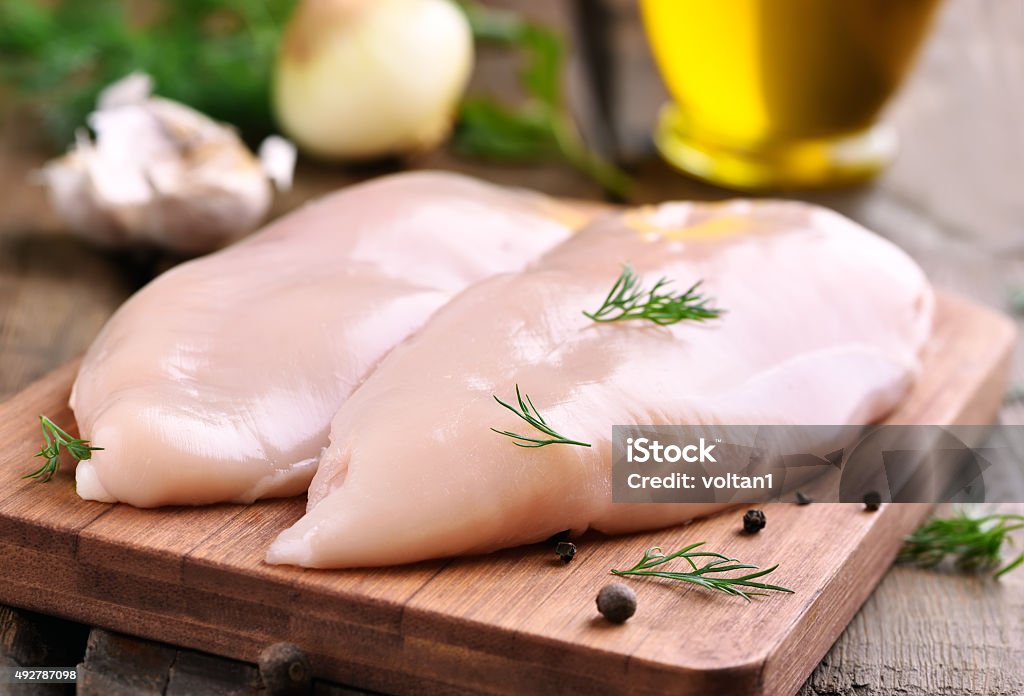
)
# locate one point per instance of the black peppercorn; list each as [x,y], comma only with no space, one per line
[566,550]
[561,536]
[753,521]
[872,500]
[616,602]
[285,670]
[802,499]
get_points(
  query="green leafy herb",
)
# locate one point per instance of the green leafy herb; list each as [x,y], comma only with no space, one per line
[1014,394]
[974,542]
[541,128]
[707,575]
[56,438]
[528,412]
[1016,300]
[214,55]
[628,300]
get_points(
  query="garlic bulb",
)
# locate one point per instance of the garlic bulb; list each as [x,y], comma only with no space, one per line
[159,172]
[358,79]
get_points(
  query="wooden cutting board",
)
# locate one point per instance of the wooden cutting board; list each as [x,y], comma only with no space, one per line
[513,622]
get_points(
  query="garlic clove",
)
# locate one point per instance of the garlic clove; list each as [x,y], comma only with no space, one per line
[277,156]
[160,172]
[134,88]
[71,194]
[195,199]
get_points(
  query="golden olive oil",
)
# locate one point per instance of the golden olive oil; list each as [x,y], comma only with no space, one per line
[753,75]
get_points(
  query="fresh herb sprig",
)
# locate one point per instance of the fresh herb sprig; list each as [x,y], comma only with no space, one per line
[974,542]
[707,575]
[56,438]
[628,300]
[541,128]
[529,413]
[214,55]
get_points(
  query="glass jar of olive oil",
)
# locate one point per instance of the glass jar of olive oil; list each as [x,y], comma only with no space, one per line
[781,93]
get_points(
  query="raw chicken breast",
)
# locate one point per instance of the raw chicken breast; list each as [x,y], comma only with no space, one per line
[823,326]
[218,381]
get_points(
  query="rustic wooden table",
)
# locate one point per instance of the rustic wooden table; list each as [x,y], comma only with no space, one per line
[953,200]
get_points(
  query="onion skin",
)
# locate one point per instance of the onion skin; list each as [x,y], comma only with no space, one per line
[363,79]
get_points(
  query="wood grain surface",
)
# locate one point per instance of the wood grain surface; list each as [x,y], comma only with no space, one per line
[518,621]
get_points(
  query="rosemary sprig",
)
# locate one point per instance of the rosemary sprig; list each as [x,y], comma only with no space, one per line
[975,542]
[628,300]
[529,413]
[56,438]
[705,575]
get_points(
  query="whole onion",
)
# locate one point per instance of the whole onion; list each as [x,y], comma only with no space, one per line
[360,79]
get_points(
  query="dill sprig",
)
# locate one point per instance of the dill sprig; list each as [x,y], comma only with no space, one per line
[628,300]
[974,542]
[529,413]
[55,439]
[705,575]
